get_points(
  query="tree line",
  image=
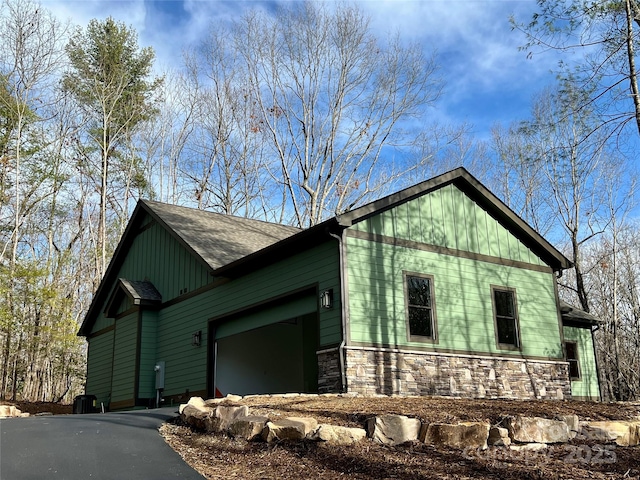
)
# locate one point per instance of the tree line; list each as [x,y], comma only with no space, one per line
[289,117]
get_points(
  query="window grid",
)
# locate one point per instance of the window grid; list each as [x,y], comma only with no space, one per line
[505,317]
[420,307]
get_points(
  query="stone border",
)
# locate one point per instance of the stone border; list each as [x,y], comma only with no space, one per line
[519,433]
[11,411]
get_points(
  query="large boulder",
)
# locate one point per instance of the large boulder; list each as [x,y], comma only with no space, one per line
[462,435]
[537,430]
[198,414]
[337,435]
[196,402]
[227,414]
[393,429]
[289,429]
[573,423]
[249,427]
[624,434]
[498,437]
[10,411]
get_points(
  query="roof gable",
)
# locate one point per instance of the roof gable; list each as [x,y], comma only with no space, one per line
[140,293]
[215,238]
[477,192]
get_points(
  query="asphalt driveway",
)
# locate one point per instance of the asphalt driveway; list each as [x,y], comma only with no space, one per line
[109,446]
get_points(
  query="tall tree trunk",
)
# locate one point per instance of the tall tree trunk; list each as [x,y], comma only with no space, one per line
[633,78]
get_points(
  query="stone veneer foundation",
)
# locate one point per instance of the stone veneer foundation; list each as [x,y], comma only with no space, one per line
[372,371]
[329,380]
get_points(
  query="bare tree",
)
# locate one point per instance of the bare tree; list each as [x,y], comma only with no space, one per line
[30,55]
[330,105]
[605,35]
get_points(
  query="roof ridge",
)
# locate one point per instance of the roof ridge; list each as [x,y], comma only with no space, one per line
[225,215]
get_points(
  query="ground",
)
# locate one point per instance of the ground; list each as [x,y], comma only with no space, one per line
[221,457]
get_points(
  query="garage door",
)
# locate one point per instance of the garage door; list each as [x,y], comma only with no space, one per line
[271,350]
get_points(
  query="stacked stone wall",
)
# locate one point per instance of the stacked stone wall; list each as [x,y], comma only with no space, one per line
[329,380]
[389,372]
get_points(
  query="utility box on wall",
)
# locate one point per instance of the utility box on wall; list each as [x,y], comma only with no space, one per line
[159,368]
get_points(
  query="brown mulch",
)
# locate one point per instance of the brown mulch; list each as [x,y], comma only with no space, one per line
[218,456]
[34,408]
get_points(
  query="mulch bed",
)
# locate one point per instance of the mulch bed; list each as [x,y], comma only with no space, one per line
[218,456]
[34,408]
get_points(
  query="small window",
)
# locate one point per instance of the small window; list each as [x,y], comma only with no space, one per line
[572,357]
[506,318]
[420,307]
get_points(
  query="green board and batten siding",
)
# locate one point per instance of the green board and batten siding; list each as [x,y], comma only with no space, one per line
[124,359]
[187,365]
[156,256]
[587,387]
[99,366]
[412,237]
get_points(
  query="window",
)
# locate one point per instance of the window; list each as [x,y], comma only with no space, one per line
[572,357]
[506,317]
[420,307]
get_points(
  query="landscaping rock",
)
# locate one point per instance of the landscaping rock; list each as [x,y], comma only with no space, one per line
[289,429]
[624,434]
[199,417]
[10,411]
[499,437]
[249,427]
[529,447]
[393,429]
[573,422]
[537,430]
[336,435]
[462,435]
[226,414]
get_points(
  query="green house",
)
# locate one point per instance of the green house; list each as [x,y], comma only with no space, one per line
[439,289]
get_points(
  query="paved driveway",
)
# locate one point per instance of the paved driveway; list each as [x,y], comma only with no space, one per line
[113,446]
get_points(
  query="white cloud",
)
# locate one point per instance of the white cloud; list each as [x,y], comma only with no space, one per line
[477,50]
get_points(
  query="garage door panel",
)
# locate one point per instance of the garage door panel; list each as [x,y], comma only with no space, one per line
[268,316]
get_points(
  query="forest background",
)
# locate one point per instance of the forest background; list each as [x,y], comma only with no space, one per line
[291,115]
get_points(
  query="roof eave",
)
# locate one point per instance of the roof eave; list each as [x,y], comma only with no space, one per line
[279,250]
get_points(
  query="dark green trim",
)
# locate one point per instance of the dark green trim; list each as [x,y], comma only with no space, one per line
[400,242]
[136,382]
[272,301]
[196,292]
[102,331]
[445,351]
[211,358]
[126,313]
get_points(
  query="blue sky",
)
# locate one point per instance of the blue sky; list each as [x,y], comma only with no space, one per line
[487,79]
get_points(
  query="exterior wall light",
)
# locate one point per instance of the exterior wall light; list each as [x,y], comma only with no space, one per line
[196,338]
[326,298]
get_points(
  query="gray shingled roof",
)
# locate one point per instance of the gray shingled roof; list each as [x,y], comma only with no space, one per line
[141,291]
[219,239]
[571,314]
